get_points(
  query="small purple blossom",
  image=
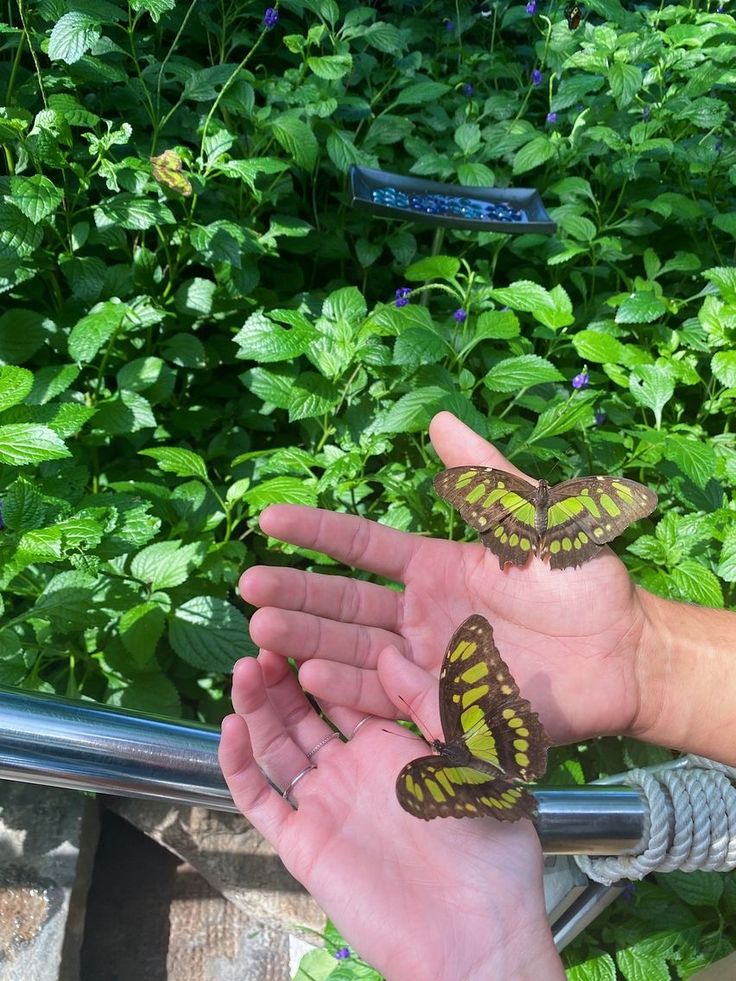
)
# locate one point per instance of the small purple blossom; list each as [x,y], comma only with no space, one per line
[646,113]
[718,145]
[721,9]
[600,417]
[401,297]
[551,118]
[270,18]
[449,25]
[531,7]
[537,77]
[627,893]
[468,89]
[460,315]
[582,380]
[342,953]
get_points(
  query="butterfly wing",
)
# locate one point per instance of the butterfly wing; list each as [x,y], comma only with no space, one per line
[573,13]
[429,787]
[499,505]
[482,708]
[585,513]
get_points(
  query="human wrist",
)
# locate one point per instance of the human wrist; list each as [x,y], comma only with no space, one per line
[685,678]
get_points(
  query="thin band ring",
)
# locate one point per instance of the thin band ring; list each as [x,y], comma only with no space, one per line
[295,781]
[321,743]
[361,723]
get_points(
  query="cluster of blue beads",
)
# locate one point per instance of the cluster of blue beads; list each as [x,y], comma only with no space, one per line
[446,204]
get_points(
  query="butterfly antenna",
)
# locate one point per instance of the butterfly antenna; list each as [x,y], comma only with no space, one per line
[424,728]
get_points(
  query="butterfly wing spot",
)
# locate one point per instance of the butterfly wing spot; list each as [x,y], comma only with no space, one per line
[463,650]
[525,544]
[521,744]
[610,506]
[598,532]
[522,759]
[435,791]
[476,493]
[505,689]
[508,714]
[464,479]
[473,673]
[473,695]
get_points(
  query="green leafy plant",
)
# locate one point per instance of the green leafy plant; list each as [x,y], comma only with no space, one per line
[177,352]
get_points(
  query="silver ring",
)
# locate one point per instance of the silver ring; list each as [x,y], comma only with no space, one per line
[361,723]
[321,743]
[295,781]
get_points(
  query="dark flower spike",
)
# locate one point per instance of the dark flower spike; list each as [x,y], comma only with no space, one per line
[401,296]
[460,315]
[270,18]
[582,380]
[537,77]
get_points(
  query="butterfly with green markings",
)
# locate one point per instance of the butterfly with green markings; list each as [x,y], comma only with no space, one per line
[567,523]
[494,745]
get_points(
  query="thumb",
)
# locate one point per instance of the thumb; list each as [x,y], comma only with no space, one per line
[413,691]
[457,445]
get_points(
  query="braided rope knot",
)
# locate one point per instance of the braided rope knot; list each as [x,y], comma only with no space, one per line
[690,822]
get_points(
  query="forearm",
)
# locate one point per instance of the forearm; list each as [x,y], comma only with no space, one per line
[686,672]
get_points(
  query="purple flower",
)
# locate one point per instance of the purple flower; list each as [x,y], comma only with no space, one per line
[627,893]
[531,7]
[342,953]
[646,113]
[718,145]
[468,89]
[449,25]
[460,315]
[721,9]
[582,380]
[551,118]
[600,417]
[537,77]
[401,297]
[270,18]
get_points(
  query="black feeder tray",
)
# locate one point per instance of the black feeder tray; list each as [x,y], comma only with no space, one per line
[509,210]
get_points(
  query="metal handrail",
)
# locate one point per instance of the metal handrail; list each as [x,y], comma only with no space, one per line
[57,742]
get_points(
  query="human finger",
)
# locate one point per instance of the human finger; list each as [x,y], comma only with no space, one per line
[457,445]
[412,690]
[303,636]
[360,689]
[283,761]
[352,540]
[264,807]
[332,597]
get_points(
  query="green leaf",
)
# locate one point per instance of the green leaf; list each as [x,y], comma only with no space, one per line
[27,443]
[297,138]
[723,366]
[724,278]
[498,325]
[210,633]
[512,374]
[174,459]
[636,967]
[37,197]
[467,137]
[273,387]
[598,967]
[523,295]
[260,339]
[23,506]
[695,457]
[625,81]
[576,411]
[90,333]
[154,7]
[194,297]
[141,628]
[22,333]
[534,153]
[72,36]
[412,412]
[433,267]
[15,384]
[418,345]
[166,564]
[640,308]
[652,386]
[695,888]
[331,67]
[727,565]
[67,599]
[136,214]
[597,347]
[281,490]
[420,93]
[311,395]
[697,584]
[342,150]
[19,237]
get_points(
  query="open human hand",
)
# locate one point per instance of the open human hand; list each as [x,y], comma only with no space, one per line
[563,633]
[450,899]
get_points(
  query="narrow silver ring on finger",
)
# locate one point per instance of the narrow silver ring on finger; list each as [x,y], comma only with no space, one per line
[362,722]
[295,781]
[321,743]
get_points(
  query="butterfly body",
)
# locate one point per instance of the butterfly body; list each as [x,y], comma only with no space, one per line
[566,523]
[494,742]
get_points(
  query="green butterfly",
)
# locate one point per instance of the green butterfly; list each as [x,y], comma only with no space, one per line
[495,742]
[567,523]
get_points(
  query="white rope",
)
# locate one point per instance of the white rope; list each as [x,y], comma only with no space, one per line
[690,822]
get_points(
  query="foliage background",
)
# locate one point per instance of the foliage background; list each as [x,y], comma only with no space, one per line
[181,348]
